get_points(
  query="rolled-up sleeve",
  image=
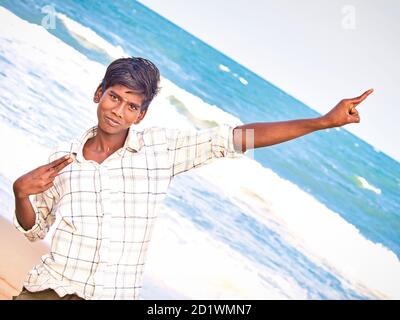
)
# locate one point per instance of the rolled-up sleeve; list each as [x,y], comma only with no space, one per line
[192,149]
[43,205]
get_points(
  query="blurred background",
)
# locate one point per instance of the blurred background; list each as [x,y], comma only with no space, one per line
[313,218]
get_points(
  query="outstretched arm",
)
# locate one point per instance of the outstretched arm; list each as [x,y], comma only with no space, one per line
[270,133]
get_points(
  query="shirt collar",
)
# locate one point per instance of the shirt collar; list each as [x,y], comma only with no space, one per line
[133,142]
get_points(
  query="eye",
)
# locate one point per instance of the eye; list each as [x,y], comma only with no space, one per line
[133,107]
[113,97]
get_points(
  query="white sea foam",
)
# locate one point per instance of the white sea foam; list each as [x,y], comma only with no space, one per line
[366,185]
[318,232]
[90,39]
[13,162]
[199,267]
[224,68]
[301,220]
[243,81]
[196,106]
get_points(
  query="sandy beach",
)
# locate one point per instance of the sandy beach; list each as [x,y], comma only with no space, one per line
[17,257]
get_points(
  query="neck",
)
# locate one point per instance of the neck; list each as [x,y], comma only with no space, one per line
[108,143]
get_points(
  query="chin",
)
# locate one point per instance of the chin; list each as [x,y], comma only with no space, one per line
[105,128]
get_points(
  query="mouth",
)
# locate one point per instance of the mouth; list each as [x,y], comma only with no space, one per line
[112,122]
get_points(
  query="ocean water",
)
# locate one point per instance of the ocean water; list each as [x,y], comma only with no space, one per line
[314,218]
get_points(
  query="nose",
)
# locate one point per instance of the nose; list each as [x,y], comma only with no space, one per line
[118,110]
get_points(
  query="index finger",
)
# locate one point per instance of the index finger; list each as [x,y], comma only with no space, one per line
[363,96]
[55,170]
[58,161]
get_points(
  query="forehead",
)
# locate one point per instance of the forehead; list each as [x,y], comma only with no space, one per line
[127,93]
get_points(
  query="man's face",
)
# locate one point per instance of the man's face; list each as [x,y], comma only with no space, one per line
[118,109]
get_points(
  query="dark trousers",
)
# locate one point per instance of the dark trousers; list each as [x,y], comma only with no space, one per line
[48,294]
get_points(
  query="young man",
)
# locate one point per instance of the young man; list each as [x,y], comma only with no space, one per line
[108,186]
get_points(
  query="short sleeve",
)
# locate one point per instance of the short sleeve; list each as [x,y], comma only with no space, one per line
[192,149]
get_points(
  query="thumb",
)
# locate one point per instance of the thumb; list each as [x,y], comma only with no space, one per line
[355,118]
[353,111]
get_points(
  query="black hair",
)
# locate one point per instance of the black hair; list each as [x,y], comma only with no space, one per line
[138,74]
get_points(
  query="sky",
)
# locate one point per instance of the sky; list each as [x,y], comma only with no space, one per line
[318,51]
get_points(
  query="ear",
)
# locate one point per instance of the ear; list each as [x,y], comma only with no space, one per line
[97,95]
[141,116]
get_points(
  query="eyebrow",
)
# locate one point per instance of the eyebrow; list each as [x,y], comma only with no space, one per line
[116,94]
